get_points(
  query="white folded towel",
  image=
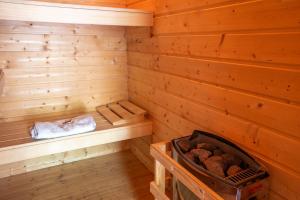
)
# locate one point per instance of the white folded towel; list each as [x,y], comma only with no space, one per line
[76,125]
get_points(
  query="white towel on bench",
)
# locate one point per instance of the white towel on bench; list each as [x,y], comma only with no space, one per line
[76,125]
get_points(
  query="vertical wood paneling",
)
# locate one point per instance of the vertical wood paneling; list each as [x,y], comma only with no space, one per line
[57,68]
[230,67]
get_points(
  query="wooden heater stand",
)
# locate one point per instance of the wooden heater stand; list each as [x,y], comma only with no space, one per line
[161,152]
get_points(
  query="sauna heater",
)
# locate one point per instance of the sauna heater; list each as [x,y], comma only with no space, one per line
[250,182]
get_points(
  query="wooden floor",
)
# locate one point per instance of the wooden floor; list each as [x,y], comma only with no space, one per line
[117,176]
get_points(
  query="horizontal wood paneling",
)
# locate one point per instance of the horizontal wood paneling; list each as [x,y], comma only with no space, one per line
[144,5]
[65,59]
[234,17]
[81,102]
[22,27]
[258,47]
[23,10]
[56,68]
[229,67]
[140,147]
[132,2]
[24,42]
[109,3]
[62,74]
[173,6]
[259,79]
[64,89]
[168,125]
[61,158]
[257,138]
[230,102]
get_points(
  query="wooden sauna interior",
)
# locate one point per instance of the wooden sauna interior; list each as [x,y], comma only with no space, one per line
[231,67]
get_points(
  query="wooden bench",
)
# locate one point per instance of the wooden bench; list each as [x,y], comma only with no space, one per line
[16,143]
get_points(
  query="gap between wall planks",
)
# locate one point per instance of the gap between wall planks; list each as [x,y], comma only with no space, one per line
[225,52]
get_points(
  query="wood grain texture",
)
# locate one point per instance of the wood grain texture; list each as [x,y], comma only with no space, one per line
[258,47]
[35,11]
[144,5]
[168,125]
[115,176]
[230,102]
[61,158]
[165,162]
[229,67]
[121,113]
[60,68]
[140,147]
[112,117]
[108,3]
[17,144]
[257,140]
[1,81]
[268,15]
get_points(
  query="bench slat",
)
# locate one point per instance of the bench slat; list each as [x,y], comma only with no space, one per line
[132,108]
[113,118]
[119,110]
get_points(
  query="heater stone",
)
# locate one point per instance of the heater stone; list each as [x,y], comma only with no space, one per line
[231,159]
[216,164]
[233,169]
[202,154]
[207,146]
[190,156]
[218,152]
[185,145]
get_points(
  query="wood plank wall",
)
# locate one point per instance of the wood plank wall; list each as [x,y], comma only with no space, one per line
[108,3]
[61,158]
[60,68]
[54,68]
[231,67]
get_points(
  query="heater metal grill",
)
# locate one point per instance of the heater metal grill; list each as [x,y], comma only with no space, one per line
[244,176]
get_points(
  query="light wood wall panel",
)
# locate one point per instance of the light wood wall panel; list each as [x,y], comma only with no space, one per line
[1,81]
[60,68]
[108,3]
[61,158]
[229,67]
[144,4]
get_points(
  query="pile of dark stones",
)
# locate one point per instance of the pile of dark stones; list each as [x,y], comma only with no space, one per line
[212,158]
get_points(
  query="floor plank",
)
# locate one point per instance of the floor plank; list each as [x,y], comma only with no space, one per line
[117,176]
